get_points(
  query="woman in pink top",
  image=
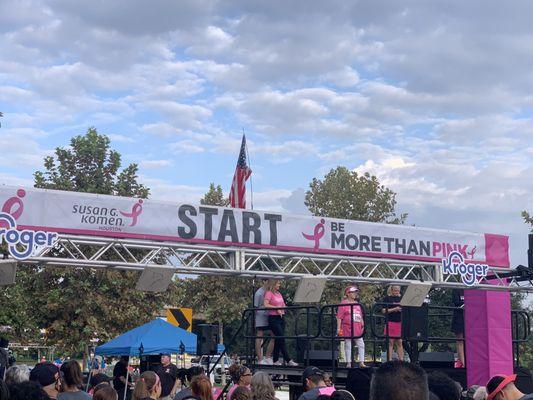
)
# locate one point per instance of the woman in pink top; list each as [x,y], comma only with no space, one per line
[350,324]
[276,321]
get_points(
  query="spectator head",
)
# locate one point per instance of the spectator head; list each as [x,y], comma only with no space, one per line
[469,393]
[480,393]
[312,377]
[106,392]
[341,395]
[48,376]
[242,393]
[72,373]
[27,390]
[502,387]
[262,387]
[148,385]
[240,374]
[97,379]
[443,386]
[194,371]
[327,379]
[201,387]
[17,374]
[399,380]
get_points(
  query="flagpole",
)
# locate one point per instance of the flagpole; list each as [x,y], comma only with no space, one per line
[251,179]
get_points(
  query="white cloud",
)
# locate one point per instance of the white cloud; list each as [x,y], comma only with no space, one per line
[154,164]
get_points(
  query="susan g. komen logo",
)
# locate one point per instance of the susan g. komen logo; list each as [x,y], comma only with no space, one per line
[22,243]
[471,273]
[135,212]
[318,233]
[14,206]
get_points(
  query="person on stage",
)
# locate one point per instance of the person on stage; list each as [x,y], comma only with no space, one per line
[393,329]
[261,327]
[276,322]
[350,324]
[458,325]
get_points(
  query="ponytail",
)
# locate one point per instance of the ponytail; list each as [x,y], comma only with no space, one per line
[145,386]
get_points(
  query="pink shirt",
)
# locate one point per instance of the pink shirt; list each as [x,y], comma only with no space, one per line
[275,300]
[348,319]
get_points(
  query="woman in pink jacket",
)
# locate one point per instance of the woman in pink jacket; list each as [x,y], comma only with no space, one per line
[350,324]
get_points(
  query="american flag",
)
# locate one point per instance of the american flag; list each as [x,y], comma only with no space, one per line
[237,194]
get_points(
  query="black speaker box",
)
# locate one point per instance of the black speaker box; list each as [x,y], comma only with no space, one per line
[207,340]
[317,356]
[435,359]
[358,382]
[415,323]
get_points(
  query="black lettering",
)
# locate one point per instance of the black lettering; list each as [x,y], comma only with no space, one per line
[389,241]
[376,244]
[101,220]
[247,227]
[352,242]
[84,219]
[399,245]
[364,242]
[412,248]
[228,219]
[75,209]
[273,219]
[337,240]
[208,221]
[182,215]
[424,248]
[113,212]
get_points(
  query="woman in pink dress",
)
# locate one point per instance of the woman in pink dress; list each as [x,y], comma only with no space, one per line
[393,329]
[276,321]
[350,324]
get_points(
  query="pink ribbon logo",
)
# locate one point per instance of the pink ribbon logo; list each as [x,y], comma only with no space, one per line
[136,210]
[13,206]
[317,234]
[472,252]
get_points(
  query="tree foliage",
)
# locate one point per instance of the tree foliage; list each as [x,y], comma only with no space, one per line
[528,219]
[75,305]
[346,194]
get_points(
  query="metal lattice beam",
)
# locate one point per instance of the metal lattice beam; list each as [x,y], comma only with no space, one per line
[100,252]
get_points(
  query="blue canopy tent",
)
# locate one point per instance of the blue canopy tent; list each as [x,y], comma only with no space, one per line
[156,337]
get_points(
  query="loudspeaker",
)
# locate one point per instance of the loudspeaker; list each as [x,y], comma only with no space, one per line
[523,381]
[207,340]
[317,356]
[149,362]
[415,323]
[358,382]
[441,359]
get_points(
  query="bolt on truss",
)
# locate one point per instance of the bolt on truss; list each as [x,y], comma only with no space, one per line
[133,254]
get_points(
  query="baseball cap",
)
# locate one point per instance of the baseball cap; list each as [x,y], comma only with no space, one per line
[311,371]
[165,354]
[44,373]
[351,289]
[497,383]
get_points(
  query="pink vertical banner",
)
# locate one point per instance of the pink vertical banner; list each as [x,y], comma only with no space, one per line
[488,333]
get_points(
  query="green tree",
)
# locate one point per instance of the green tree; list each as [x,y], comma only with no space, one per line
[75,305]
[346,194]
[528,219]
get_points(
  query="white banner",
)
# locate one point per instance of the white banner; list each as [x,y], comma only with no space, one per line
[120,217]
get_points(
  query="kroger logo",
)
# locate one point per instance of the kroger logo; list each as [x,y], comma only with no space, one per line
[24,239]
[470,273]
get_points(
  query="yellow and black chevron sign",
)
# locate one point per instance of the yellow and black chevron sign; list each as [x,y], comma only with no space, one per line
[180,317]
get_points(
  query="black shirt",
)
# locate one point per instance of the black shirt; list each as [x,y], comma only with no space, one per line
[168,376]
[394,302]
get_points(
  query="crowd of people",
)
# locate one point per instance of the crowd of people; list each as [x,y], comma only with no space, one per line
[393,380]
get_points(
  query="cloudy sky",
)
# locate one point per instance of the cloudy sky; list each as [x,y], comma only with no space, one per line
[435,98]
